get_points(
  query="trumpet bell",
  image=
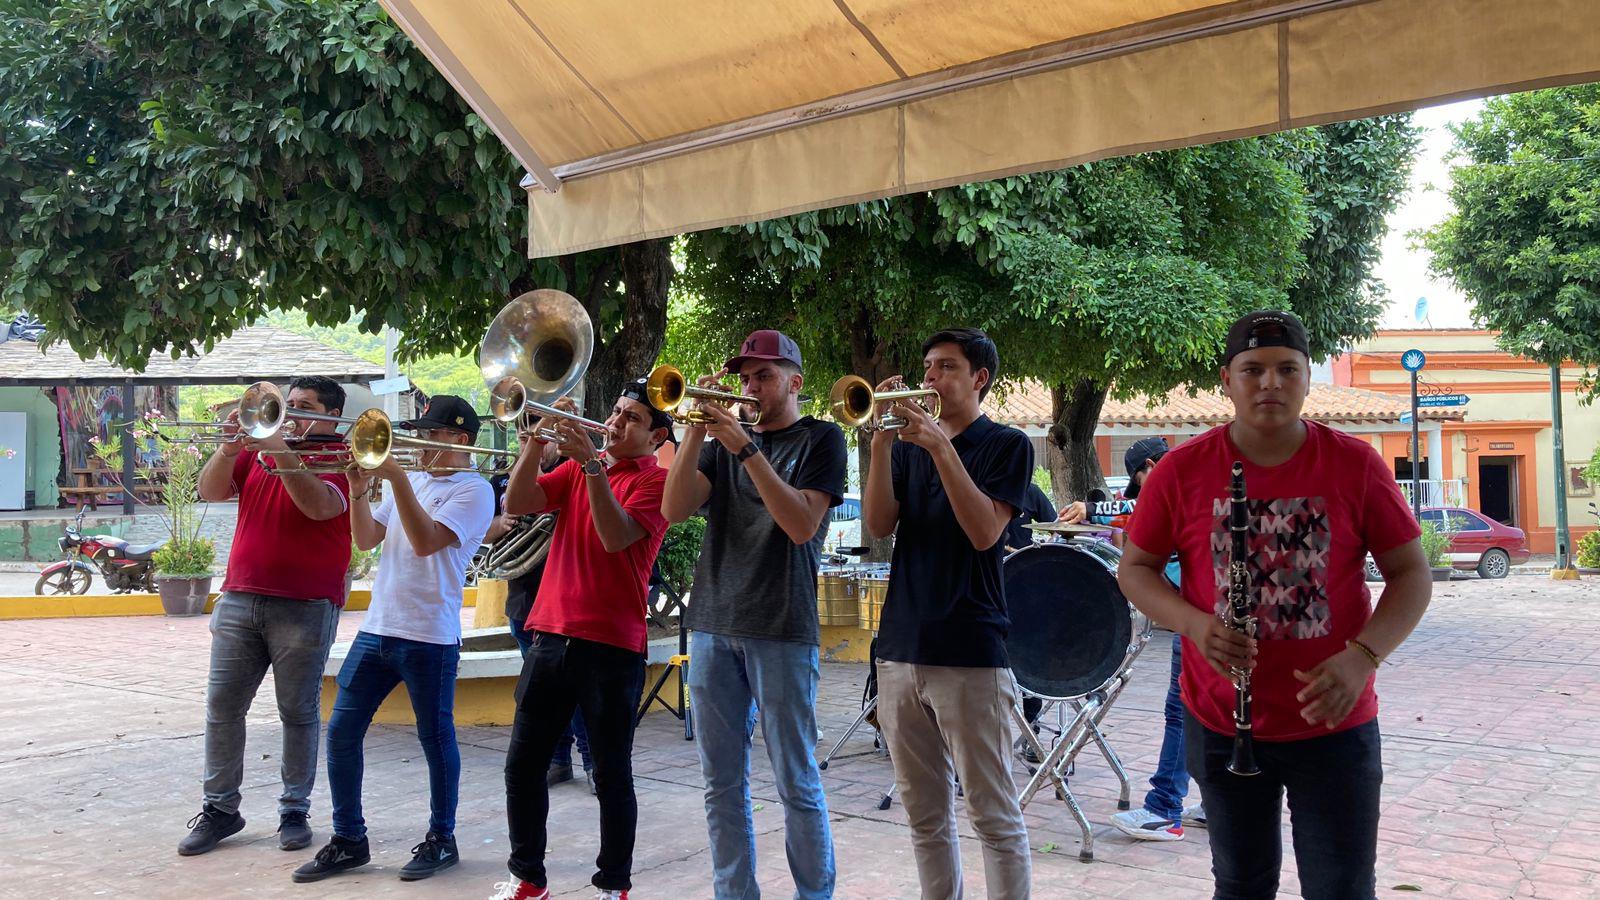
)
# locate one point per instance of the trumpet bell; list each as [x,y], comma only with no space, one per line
[542,339]
[507,399]
[665,388]
[850,401]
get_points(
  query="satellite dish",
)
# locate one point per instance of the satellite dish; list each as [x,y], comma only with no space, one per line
[1422,309]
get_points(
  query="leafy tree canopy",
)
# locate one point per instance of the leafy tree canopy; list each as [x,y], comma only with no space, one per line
[1524,240]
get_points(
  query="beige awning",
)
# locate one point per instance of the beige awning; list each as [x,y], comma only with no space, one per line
[638,120]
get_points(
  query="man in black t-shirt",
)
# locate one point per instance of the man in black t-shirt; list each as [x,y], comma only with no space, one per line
[766,490]
[946,490]
[1036,507]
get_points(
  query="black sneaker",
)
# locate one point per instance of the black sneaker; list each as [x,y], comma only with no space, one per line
[209,826]
[340,855]
[557,774]
[293,831]
[435,854]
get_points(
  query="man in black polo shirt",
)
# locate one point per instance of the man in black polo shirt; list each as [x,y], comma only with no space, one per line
[947,489]
[766,490]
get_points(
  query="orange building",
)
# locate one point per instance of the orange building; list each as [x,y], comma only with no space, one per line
[1500,450]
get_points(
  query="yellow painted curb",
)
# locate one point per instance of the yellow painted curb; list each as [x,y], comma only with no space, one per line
[139,604]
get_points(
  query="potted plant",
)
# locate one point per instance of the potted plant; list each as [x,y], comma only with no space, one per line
[1436,547]
[362,562]
[183,565]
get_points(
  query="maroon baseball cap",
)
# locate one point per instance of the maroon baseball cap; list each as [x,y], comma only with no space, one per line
[765,344]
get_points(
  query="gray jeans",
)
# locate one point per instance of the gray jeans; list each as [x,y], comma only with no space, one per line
[250,632]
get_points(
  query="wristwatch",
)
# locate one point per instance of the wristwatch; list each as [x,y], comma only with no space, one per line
[593,467]
[746,452]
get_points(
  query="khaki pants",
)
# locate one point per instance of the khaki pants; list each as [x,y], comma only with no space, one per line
[933,716]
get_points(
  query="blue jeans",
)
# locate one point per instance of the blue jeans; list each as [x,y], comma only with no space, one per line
[1170,783]
[575,732]
[375,665]
[1332,784]
[731,677]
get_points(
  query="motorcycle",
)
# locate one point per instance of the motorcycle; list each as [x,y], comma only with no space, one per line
[125,567]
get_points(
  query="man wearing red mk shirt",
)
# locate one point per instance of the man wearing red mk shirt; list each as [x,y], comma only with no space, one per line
[1319,501]
[588,626]
[279,608]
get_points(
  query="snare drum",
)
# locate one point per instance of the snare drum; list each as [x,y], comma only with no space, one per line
[1072,631]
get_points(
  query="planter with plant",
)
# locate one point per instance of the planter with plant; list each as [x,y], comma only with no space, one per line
[1436,547]
[1589,551]
[183,564]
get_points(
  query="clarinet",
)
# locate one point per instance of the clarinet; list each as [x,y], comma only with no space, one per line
[1238,615]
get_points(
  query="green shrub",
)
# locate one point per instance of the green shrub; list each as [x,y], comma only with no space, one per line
[679,550]
[1435,545]
[1589,550]
[185,557]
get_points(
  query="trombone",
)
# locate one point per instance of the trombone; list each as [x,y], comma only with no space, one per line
[536,351]
[853,402]
[261,414]
[670,392]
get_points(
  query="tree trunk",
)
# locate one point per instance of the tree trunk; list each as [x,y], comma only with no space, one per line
[869,360]
[1069,446]
[645,271]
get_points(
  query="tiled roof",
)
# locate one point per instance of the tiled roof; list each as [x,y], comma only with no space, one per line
[1028,404]
[255,353]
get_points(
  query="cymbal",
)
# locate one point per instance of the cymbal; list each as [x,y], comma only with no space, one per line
[1069,528]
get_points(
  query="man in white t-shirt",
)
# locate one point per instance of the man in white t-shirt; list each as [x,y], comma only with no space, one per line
[429,524]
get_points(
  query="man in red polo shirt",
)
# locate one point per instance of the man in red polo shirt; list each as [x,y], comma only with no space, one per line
[279,608]
[588,626]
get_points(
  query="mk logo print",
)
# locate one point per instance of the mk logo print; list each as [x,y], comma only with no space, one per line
[1288,564]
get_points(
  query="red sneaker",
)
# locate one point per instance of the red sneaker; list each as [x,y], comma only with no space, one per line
[517,889]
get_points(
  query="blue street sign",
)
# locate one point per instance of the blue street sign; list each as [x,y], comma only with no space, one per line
[1405,418]
[1443,400]
[1412,360]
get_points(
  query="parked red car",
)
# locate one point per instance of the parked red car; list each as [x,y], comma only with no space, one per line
[1477,542]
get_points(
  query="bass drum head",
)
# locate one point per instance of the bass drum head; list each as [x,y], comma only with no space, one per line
[1070,625]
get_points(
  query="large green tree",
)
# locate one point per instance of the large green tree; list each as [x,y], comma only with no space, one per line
[1523,241]
[172,169]
[1123,273]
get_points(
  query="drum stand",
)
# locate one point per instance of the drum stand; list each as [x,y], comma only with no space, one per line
[1087,714]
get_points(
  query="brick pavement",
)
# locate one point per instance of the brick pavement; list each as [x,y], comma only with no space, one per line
[1489,715]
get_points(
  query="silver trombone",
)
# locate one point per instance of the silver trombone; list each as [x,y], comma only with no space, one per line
[536,351]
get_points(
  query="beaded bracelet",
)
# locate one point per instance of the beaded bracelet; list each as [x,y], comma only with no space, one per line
[1376,661]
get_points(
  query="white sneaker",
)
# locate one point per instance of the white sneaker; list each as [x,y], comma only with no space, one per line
[1144,825]
[1195,815]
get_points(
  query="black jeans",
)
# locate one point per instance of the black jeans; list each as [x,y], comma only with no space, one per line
[1333,785]
[561,674]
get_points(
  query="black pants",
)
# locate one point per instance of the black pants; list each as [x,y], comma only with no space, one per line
[1332,783]
[560,674]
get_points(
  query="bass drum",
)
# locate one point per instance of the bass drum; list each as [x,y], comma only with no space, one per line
[1072,631]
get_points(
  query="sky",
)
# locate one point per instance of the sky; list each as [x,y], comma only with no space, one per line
[1403,267]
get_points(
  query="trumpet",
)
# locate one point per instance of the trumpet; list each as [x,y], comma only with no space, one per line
[536,351]
[853,402]
[670,392]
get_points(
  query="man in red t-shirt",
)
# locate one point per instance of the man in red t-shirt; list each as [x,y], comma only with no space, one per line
[1319,502]
[279,607]
[588,626]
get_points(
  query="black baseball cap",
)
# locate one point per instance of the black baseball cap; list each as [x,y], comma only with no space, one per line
[1270,328]
[446,411]
[1144,450]
[635,390]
